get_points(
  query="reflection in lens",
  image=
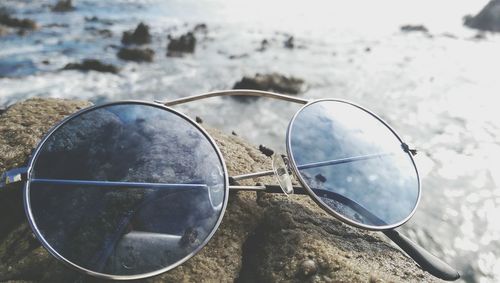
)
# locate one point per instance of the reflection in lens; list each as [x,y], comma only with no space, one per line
[354,164]
[126,189]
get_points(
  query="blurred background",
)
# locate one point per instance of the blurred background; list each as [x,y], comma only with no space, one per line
[415,63]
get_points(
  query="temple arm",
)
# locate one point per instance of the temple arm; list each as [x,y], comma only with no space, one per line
[236,92]
[425,259]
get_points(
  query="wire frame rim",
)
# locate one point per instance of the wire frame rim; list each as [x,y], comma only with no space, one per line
[318,200]
[53,252]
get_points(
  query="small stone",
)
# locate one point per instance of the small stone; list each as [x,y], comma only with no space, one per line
[266,151]
[308,268]
[320,178]
[234,133]
[375,279]
[289,43]
[6,19]
[200,28]
[264,44]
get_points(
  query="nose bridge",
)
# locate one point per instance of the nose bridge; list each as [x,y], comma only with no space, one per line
[281,168]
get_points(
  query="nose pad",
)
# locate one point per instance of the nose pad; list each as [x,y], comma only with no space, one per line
[280,168]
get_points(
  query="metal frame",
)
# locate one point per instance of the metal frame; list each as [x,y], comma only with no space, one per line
[236,92]
[52,251]
[317,199]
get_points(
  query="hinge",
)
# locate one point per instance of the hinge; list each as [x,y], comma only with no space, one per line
[13,176]
[407,149]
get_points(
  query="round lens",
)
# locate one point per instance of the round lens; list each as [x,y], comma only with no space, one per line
[354,165]
[126,190]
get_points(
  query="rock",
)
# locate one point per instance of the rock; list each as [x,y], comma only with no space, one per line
[201,28]
[266,151]
[308,268]
[136,54]
[63,6]
[414,28]
[289,42]
[270,239]
[271,82]
[264,44]
[6,19]
[100,32]
[139,36]
[186,43]
[488,19]
[95,19]
[238,56]
[92,65]
[480,36]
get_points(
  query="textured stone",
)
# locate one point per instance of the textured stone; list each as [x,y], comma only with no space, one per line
[262,238]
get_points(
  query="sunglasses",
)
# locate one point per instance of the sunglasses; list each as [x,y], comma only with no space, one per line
[129,190]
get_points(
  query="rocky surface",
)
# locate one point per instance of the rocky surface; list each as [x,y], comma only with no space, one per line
[92,65]
[488,19]
[262,238]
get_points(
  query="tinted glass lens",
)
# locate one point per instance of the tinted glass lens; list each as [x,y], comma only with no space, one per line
[126,189]
[354,164]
